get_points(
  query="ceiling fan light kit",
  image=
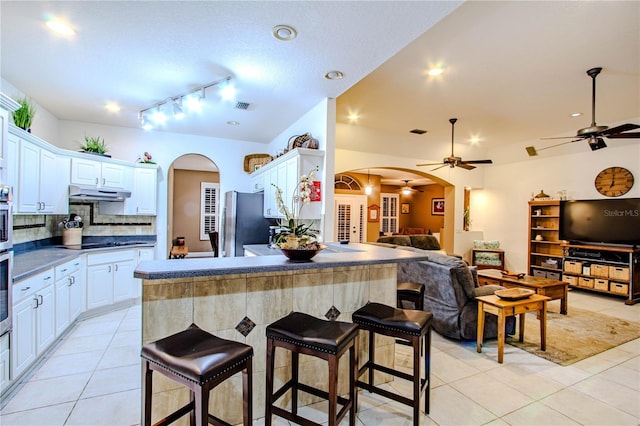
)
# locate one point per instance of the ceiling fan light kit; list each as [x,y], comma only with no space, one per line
[454,161]
[593,133]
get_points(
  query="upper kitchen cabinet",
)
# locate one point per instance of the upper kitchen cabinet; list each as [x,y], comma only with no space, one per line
[89,172]
[43,180]
[285,172]
[145,191]
[7,106]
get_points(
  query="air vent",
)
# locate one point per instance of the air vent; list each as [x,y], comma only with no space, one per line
[243,105]
[418,131]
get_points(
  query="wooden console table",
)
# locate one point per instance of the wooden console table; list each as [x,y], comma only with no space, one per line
[504,308]
[551,288]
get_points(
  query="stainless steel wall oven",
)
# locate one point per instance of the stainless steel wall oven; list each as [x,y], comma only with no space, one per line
[6,258]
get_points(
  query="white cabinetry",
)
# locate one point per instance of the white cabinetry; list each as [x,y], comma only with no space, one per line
[90,172]
[5,374]
[33,320]
[146,253]
[110,277]
[7,106]
[42,183]
[144,194]
[285,172]
[69,294]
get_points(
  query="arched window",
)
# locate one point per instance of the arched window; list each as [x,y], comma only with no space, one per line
[346,182]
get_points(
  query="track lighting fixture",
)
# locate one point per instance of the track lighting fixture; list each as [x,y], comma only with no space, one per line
[157,114]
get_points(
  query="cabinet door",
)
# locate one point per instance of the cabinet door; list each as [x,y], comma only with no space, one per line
[49,185]
[63,318]
[99,285]
[4,361]
[270,203]
[85,172]
[13,157]
[124,285]
[4,133]
[113,176]
[76,295]
[45,318]
[28,178]
[23,341]
[143,199]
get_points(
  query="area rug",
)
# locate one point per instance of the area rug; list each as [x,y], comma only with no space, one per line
[576,336]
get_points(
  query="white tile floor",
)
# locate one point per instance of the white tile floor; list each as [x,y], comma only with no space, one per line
[95,374]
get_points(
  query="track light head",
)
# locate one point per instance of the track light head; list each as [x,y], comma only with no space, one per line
[176,109]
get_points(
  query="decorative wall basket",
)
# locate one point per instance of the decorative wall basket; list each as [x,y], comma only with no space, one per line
[253,162]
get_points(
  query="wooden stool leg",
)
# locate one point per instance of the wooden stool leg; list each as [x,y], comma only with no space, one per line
[415,343]
[353,376]
[294,377]
[192,413]
[202,406]
[372,355]
[269,381]
[147,390]
[333,389]
[247,393]
[427,369]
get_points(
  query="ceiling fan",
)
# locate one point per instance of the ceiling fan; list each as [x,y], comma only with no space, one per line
[406,189]
[454,161]
[594,132]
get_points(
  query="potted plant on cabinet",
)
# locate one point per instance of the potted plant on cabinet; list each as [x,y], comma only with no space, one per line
[94,146]
[23,116]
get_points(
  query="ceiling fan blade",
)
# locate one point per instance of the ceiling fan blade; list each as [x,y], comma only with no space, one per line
[560,137]
[444,165]
[466,166]
[478,162]
[633,135]
[431,164]
[620,129]
[533,152]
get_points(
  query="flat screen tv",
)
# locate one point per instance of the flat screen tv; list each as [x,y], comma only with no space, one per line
[605,221]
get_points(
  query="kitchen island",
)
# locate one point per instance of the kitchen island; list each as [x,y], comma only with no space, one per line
[236,298]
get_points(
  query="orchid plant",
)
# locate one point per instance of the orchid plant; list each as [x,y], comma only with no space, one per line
[295,233]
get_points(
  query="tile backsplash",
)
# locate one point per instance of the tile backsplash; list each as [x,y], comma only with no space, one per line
[28,228]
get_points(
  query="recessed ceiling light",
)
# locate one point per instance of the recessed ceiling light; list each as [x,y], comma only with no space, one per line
[233,123]
[60,27]
[334,75]
[435,71]
[284,32]
[112,107]
[576,114]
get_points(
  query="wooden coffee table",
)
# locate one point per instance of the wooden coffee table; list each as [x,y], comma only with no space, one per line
[554,289]
[504,308]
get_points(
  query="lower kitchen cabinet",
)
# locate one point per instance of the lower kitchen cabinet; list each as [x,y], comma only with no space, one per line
[5,375]
[69,294]
[110,277]
[33,320]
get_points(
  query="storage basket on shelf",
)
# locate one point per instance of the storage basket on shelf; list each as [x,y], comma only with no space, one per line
[252,162]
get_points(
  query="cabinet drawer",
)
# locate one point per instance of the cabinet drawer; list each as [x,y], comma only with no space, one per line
[488,281]
[570,279]
[110,257]
[573,266]
[67,268]
[30,286]
[619,273]
[539,273]
[601,271]
[619,288]
[600,284]
[586,282]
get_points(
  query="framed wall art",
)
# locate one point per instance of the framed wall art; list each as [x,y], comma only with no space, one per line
[405,208]
[437,206]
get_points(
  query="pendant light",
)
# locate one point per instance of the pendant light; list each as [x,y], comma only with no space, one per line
[368,189]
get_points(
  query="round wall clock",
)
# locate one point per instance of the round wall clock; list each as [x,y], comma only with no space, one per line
[614,181]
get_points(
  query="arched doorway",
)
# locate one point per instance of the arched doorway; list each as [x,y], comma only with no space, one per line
[414,207]
[193,203]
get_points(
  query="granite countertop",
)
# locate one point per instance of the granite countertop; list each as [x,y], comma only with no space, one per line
[335,255]
[26,264]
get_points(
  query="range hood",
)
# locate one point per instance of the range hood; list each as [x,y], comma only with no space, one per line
[88,193]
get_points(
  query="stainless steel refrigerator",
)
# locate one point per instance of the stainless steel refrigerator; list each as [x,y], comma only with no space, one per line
[243,222]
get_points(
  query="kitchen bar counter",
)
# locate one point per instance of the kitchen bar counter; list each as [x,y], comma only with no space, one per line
[236,298]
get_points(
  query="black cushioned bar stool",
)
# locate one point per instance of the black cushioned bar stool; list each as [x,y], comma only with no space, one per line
[407,324]
[329,340]
[200,361]
[410,292]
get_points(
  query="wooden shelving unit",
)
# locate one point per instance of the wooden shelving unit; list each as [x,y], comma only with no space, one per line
[545,254]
